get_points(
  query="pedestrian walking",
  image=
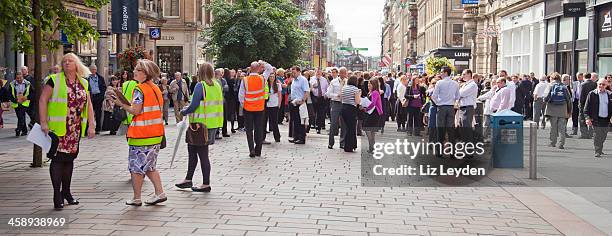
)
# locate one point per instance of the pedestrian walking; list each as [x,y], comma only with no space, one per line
[445,93]
[300,93]
[558,109]
[220,78]
[97,90]
[576,91]
[598,111]
[334,94]
[467,106]
[21,93]
[231,103]
[374,113]
[433,110]
[402,103]
[539,106]
[205,112]
[228,100]
[108,106]
[589,84]
[351,98]
[165,88]
[65,112]
[180,95]
[252,97]
[273,106]
[415,97]
[319,86]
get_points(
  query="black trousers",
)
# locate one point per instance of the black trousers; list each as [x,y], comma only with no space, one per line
[600,131]
[281,110]
[401,113]
[312,119]
[254,127]
[320,108]
[97,108]
[225,115]
[415,119]
[195,153]
[575,114]
[60,170]
[349,116]
[21,119]
[272,120]
[299,132]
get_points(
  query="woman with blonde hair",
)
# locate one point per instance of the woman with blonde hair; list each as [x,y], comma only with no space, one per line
[205,118]
[65,112]
[145,132]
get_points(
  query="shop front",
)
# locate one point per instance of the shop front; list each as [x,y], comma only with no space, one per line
[522,41]
[603,40]
[459,57]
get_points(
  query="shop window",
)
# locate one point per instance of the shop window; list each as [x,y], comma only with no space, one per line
[170,59]
[605,45]
[604,65]
[458,35]
[171,8]
[583,28]
[551,31]
[566,27]
[582,61]
[550,63]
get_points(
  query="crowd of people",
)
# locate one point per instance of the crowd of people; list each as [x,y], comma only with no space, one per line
[76,102]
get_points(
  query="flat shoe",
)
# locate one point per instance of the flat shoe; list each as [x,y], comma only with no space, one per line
[197,189]
[184,185]
[133,202]
[157,199]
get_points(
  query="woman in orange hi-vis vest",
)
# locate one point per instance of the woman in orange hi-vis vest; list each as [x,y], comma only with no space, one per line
[145,132]
[252,95]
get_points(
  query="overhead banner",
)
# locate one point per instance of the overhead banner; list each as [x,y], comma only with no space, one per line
[125,16]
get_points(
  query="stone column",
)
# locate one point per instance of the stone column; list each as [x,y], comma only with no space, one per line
[102,49]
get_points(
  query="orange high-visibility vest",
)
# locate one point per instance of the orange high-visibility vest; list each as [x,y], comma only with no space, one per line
[254,99]
[147,128]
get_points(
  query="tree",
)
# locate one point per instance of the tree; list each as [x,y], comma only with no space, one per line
[435,64]
[250,30]
[45,17]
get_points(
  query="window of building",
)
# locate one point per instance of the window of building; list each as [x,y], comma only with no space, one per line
[582,61]
[171,8]
[583,28]
[550,63]
[199,10]
[207,13]
[604,65]
[456,4]
[551,31]
[566,26]
[457,35]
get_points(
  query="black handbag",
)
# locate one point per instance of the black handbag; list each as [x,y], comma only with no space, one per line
[197,134]
[118,114]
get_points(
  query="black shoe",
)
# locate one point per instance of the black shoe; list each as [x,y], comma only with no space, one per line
[17,133]
[58,207]
[265,142]
[233,131]
[292,140]
[166,123]
[258,154]
[58,202]
[300,142]
[252,155]
[597,154]
[277,140]
[226,135]
[196,189]
[330,147]
[218,137]
[561,147]
[341,147]
[113,133]
[184,185]
[71,200]
[24,133]
[318,131]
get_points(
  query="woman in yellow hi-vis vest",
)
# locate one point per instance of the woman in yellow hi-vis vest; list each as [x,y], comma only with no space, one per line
[206,110]
[145,133]
[65,110]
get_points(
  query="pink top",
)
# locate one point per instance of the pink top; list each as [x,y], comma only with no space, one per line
[501,100]
[376,102]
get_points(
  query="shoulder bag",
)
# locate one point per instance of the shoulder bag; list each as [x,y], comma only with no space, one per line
[197,134]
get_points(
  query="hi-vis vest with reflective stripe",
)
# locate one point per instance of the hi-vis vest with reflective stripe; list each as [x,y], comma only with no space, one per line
[254,97]
[147,128]
[210,111]
[57,108]
[128,90]
[25,103]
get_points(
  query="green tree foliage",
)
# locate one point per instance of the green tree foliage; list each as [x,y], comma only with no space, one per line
[251,30]
[17,16]
[435,64]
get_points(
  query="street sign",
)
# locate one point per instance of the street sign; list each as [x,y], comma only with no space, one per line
[155,33]
[469,2]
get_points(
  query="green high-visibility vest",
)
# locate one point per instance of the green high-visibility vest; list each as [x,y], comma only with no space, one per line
[128,91]
[210,111]
[26,103]
[57,108]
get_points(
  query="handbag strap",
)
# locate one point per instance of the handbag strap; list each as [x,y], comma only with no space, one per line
[203,99]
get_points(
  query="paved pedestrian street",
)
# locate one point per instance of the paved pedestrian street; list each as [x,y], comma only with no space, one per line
[290,190]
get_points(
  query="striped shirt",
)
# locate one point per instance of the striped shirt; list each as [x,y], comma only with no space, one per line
[348,94]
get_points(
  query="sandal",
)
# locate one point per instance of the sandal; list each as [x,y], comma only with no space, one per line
[134,202]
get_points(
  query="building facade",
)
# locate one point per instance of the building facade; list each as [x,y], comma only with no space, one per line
[399,34]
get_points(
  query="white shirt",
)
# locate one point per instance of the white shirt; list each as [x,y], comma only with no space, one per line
[487,99]
[512,87]
[577,87]
[401,92]
[468,94]
[603,103]
[540,90]
[333,91]
[446,92]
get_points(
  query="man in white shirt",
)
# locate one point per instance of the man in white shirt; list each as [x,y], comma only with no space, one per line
[333,93]
[539,106]
[576,90]
[445,94]
[501,99]
[318,86]
[467,105]
[511,85]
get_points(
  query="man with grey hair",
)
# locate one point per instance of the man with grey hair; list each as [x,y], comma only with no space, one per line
[180,95]
[97,89]
[26,74]
[598,111]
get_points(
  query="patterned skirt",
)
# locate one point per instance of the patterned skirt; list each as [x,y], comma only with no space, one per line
[142,159]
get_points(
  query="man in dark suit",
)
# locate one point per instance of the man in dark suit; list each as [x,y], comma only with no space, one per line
[97,89]
[588,85]
[597,112]
[524,90]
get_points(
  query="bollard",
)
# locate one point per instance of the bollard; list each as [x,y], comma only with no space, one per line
[533,151]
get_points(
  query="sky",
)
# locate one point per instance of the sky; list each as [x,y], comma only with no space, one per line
[359,20]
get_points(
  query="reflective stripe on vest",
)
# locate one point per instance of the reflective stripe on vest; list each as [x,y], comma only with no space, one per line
[254,93]
[25,103]
[147,128]
[57,108]
[128,92]
[210,111]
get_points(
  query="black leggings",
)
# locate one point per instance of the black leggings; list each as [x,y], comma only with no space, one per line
[60,170]
[202,152]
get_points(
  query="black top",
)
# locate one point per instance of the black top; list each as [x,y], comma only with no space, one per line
[591,108]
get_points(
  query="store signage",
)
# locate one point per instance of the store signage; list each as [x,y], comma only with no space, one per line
[125,16]
[574,9]
[469,2]
[605,22]
[155,33]
[454,53]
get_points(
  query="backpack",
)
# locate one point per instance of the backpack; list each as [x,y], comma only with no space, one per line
[557,94]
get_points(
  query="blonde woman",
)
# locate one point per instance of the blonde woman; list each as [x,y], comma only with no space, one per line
[145,133]
[65,112]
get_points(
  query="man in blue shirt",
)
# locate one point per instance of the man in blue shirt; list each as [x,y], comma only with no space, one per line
[97,89]
[445,94]
[299,94]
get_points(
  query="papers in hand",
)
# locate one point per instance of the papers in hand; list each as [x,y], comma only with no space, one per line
[365,102]
[120,96]
[40,138]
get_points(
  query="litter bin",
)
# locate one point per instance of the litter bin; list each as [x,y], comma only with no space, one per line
[507,139]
